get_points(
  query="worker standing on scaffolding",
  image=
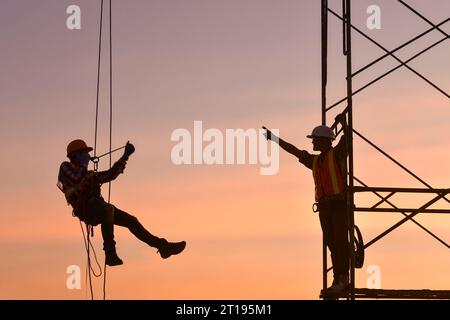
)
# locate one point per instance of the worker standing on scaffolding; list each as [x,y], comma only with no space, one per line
[329,172]
[82,191]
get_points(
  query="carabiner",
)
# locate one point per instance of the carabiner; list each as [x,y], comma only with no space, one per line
[315,207]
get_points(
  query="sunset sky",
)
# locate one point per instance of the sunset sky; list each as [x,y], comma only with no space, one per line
[230,64]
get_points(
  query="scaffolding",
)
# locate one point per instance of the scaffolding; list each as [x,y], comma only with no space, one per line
[408,213]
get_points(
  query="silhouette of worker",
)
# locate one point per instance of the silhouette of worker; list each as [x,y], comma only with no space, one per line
[82,191]
[329,172]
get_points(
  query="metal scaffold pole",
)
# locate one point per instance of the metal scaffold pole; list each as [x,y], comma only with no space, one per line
[347,32]
[409,212]
[324,26]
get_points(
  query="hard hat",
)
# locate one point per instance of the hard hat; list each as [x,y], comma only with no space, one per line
[322,131]
[77,145]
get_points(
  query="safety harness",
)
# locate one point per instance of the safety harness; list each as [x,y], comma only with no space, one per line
[78,195]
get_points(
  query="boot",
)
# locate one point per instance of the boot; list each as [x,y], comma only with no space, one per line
[166,249]
[340,284]
[112,259]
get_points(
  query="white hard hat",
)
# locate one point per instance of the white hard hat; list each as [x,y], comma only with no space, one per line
[322,131]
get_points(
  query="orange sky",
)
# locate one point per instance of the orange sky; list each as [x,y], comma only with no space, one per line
[231,64]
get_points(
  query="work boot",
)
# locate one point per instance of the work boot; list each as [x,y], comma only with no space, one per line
[112,259]
[340,284]
[166,249]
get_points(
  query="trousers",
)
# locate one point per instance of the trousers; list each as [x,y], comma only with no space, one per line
[98,211]
[334,223]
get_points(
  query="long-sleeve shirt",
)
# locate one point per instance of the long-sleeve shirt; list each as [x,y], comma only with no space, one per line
[71,176]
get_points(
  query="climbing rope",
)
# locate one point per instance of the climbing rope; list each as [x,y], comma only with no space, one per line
[89,269]
[90,229]
[98,75]
[110,122]
[87,236]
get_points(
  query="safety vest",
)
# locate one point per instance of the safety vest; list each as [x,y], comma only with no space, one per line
[327,176]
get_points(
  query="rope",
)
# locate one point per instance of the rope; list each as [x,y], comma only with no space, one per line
[89,269]
[98,76]
[108,153]
[110,96]
[87,241]
[89,229]
[110,120]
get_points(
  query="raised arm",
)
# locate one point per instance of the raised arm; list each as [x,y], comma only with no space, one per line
[341,148]
[286,146]
[303,156]
[118,167]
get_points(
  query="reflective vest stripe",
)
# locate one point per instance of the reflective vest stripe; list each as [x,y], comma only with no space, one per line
[333,172]
[327,176]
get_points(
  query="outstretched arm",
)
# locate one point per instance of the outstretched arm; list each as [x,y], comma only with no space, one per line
[303,156]
[118,167]
[286,146]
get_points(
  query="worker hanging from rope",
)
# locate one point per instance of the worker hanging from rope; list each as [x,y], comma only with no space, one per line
[329,177]
[82,191]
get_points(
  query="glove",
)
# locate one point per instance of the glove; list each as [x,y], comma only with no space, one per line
[341,117]
[129,150]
